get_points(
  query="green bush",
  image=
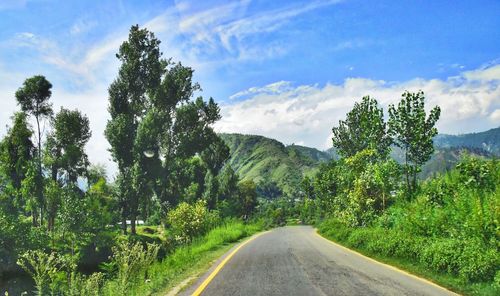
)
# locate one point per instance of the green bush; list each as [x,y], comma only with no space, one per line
[443,255]
[477,262]
[188,221]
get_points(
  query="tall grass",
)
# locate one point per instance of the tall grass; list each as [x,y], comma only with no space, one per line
[185,259]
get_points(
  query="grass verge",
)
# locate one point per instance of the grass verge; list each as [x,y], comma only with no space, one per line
[347,237]
[190,260]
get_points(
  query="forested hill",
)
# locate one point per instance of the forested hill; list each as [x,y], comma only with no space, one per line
[265,160]
[488,141]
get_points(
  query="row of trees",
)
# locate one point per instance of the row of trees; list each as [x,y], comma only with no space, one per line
[34,174]
[365,181]
[161,137]
[408,128]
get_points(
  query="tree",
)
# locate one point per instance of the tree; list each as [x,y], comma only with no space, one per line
[138,78]
[53,192]
[65,147]
[33,97]
[364,128]
[269,189]
[413,131]
[155,126]
[214,156]
[96,173]
[247,198]
[16,153]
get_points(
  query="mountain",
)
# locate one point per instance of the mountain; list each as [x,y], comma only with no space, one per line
[269,162]
[443,159]
[489,141]
[265,160]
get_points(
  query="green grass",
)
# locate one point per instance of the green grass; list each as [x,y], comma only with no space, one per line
[348,238]
[190,260]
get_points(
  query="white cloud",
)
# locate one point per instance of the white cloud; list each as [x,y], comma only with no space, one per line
[495,116]
[273,88]
[308,112]
[488,74]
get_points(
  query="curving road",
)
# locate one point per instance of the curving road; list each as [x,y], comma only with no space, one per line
[295,260]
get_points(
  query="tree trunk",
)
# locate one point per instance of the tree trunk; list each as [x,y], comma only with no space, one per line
[124,224]
[132,224]
[134,209]
[51,222]
[414,185]
[40,190]
[407,173]
[34,217]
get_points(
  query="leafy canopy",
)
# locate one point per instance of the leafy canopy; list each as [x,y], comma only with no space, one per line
[364,128]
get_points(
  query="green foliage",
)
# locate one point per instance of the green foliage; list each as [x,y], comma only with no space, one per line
[450,227]
[188,221]
[33,96]
[413,131]
[16,151]
[65,147]
[43,268]
[132,262]
[53,197]
[478,174]
[156,127]
[364,128]
[87,285]
[186,259]
[246,199]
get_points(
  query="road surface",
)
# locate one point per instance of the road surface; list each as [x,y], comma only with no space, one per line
[295,260]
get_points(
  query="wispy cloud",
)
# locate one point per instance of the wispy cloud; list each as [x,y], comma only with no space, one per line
[82,26]
[469,102]
[226,28]
[273,88]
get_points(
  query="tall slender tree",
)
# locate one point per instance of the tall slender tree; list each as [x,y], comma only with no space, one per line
[138,77]
[155,126]
[33,97]
[413,131]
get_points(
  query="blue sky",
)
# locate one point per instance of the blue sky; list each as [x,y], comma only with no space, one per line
[284,69]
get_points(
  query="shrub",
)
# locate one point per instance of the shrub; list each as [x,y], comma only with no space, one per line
[132,262]
[43,268]
[477,262]
[188,221]
[442,255]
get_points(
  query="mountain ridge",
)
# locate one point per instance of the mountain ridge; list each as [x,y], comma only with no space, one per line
[265,160]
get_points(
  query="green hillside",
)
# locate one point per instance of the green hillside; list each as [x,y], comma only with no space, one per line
[488,140]
[264,160]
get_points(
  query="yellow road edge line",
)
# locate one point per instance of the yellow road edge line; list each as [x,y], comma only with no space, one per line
[219,267]
[386,265]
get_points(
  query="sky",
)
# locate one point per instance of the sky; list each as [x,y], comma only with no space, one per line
[289,70]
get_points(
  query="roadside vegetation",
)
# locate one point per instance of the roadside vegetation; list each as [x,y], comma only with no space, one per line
[173,201]
[445,228]
[176,202]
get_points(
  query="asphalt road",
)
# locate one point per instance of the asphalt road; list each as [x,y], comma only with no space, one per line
[295,260]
